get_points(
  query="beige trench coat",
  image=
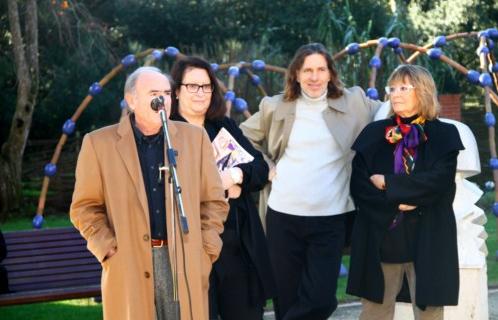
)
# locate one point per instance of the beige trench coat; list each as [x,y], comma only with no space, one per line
[110,209]
[269,128]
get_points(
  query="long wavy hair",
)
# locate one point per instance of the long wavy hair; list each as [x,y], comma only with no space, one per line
[292,89]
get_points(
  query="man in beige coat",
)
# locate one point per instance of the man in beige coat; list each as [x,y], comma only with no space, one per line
[306,135]
[112,209]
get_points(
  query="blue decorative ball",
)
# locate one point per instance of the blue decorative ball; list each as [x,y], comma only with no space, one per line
[434,53]
[473,76]
[489,185]
[393,42]
[230,96]
[353,48]
[37,221]
[172,52]
[68,127]
[129,60]
[491,44]
[158,54]
[215,67]
[255,80]
[482,50]
[493,67]
[493,33]
[372,93]
[50,169]
[439,41]
[258,65]
[375,62]
[233,71]
[240,105]
[123,104]
[493,163]
[398,50]
[485,80]
[495,209]
[343,272]
[489,119]
[483,33]
[95,89]
[382,41]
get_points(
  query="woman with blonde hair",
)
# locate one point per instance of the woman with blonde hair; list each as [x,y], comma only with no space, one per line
[403,183]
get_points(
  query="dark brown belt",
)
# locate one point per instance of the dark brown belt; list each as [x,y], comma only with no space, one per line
[157,243]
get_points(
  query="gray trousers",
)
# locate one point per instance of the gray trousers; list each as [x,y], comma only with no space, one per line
[166,308]
[393,280]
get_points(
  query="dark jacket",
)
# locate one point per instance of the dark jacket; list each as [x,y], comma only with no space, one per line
[430,187]
[243,220]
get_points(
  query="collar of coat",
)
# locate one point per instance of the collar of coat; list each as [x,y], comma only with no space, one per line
[289,107]
[442,138]
[124,128]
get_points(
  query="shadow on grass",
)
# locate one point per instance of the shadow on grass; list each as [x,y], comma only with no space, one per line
[84,309]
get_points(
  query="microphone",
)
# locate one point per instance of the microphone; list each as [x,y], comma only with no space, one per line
[157,103]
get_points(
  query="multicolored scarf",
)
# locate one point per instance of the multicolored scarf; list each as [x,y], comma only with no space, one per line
[407,138]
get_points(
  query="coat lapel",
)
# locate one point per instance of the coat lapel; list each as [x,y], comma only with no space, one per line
[339,128]
[127,149]
[286,112]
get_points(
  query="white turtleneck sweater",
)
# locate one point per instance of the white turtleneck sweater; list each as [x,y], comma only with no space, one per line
[311,177]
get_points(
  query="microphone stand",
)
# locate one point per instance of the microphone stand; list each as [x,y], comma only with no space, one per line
[171,154]
[157,104]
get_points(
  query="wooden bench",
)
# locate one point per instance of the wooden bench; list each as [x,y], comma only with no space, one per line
[48,265]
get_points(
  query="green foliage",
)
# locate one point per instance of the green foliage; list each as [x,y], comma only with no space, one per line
[80,44]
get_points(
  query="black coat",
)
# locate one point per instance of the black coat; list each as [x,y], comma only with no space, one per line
[243,217]
[430,187]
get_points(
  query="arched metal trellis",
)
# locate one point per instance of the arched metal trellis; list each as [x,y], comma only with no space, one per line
[486,77]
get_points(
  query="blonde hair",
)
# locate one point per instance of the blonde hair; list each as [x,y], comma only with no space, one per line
[425,88]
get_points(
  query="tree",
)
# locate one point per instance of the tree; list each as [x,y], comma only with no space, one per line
[25,52]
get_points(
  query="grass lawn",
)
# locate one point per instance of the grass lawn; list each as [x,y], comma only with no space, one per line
[82,309]
[86,309]
[24,223]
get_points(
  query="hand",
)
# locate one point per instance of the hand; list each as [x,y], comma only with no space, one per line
[272,173]
[378,181]
[406,207]
[234,191]
[226,179]
[110,253]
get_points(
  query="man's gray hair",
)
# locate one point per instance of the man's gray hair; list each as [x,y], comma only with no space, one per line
[131,81]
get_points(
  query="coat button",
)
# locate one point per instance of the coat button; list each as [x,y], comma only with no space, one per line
[147,274]
[146,237]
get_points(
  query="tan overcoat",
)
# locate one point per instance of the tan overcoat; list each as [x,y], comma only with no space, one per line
[269,128]
[110,209]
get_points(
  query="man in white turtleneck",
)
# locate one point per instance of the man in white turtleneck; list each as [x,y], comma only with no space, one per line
[306,135]
[311,173]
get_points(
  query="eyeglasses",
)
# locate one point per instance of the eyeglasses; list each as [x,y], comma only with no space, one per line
[401,89]
[194,88]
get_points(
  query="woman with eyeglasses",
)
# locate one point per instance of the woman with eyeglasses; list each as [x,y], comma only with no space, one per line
[241,280]
[403,183]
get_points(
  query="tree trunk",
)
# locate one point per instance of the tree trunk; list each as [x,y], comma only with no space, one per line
[25,51]
[10,187]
